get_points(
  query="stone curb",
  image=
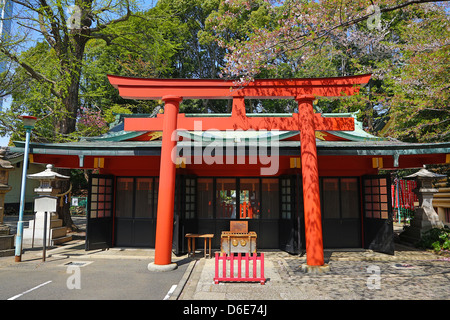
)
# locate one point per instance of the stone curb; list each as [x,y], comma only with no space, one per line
[180,286]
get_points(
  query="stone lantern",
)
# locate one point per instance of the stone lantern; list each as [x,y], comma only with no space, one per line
[425,217]
[46,203]
[6,239]
[49,181]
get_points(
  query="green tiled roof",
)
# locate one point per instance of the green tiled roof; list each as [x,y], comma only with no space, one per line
[114,143]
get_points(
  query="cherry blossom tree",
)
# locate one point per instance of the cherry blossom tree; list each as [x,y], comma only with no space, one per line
[296,28]
[403,44]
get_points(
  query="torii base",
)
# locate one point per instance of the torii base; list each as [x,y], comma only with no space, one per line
[161,267]
[315,269]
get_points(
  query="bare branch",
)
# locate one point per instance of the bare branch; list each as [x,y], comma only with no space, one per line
[26,5]
[54,25]
[112,22]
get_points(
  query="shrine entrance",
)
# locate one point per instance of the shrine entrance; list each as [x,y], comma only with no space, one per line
[273,208]
[306,122]
[333,166]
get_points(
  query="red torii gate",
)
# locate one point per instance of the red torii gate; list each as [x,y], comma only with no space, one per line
[305,91]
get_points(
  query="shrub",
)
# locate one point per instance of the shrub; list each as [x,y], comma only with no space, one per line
[437,239]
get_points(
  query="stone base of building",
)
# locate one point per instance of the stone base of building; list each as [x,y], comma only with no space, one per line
[6,242]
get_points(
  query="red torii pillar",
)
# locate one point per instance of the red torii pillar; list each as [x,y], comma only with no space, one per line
[306,121]
[166,192]
[310,175]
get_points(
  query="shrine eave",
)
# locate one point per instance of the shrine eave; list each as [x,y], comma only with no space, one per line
[153,148]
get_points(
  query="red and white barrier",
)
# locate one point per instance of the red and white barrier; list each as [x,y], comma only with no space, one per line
[226,272]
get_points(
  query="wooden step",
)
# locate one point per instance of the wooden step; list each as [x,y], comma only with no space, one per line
[60,240]
[54,223]
[59,232]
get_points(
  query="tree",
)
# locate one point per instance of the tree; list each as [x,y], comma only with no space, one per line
[66,37]
[300,27]
[336,38]
[62,44]
[163,42]
[417,83]
[152,40]
[196,57]
[62,80]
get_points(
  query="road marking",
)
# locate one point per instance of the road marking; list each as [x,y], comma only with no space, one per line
[21,294]
[172,289]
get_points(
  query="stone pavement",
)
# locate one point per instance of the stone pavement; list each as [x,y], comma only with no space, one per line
[354,275]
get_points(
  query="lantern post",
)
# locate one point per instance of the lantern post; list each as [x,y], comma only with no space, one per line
[29,122]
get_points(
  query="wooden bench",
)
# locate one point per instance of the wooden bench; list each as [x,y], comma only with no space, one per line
[191,242]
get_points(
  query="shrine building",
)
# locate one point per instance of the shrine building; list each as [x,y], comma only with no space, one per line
[304,181]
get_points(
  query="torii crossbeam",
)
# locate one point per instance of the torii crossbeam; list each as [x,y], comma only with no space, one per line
[305,91]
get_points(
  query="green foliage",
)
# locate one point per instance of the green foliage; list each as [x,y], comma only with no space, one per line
[437,239]
[416,83]
[78,180]
[408,57]
[153,38]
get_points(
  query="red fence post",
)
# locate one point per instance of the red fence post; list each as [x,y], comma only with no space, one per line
[246,265]
[254,265]
[263,279]
[231,266]
[224,268]
[216,277]
[239,265]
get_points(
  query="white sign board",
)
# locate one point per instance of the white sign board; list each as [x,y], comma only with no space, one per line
[42,204]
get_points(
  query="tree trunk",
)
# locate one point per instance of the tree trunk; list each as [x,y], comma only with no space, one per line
[64,211]
[67,125]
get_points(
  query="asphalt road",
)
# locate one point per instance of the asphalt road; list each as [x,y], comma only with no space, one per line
[65,278]
[99,279]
